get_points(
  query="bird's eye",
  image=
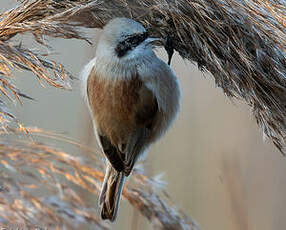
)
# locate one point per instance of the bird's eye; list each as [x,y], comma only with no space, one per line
[130,43]
[135,39]
[131,40]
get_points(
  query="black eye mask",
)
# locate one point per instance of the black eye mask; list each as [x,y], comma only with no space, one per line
[129,43]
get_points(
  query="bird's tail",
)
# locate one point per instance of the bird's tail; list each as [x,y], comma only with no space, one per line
[110,193]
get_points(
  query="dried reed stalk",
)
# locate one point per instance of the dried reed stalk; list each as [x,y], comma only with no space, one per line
[40,185]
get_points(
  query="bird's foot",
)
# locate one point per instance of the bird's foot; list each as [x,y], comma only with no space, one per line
[169,47]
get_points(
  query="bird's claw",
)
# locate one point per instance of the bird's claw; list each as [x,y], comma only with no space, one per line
[169,48]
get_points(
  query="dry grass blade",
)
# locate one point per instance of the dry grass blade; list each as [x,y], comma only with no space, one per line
[157,211]
[40,184]
[32,17]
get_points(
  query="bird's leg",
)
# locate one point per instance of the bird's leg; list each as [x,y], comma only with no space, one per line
[169,47]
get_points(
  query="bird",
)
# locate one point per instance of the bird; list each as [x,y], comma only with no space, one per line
[133,98]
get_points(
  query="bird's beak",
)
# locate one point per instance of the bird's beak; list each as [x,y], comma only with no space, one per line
[152,40]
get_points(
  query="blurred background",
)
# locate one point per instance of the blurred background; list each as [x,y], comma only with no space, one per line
[217,167]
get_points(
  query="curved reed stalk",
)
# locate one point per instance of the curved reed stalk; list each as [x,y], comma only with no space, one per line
[42,186]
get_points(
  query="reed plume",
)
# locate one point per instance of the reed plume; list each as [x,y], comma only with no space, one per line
[241,43]
[43,187]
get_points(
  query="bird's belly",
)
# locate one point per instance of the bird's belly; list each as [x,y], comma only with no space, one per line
[112,104]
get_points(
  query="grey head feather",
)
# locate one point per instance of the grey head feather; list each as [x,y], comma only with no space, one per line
[123,35]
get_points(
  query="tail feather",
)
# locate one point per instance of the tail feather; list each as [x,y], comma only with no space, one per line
[109,198]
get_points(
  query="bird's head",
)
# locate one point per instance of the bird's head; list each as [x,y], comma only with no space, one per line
[124,38]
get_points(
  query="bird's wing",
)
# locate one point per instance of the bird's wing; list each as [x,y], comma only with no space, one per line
[113,154]
[145,115]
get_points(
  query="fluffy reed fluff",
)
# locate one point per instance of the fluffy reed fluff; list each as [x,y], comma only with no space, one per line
[43,187]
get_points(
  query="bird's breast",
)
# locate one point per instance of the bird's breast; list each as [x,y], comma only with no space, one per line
[113,104]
